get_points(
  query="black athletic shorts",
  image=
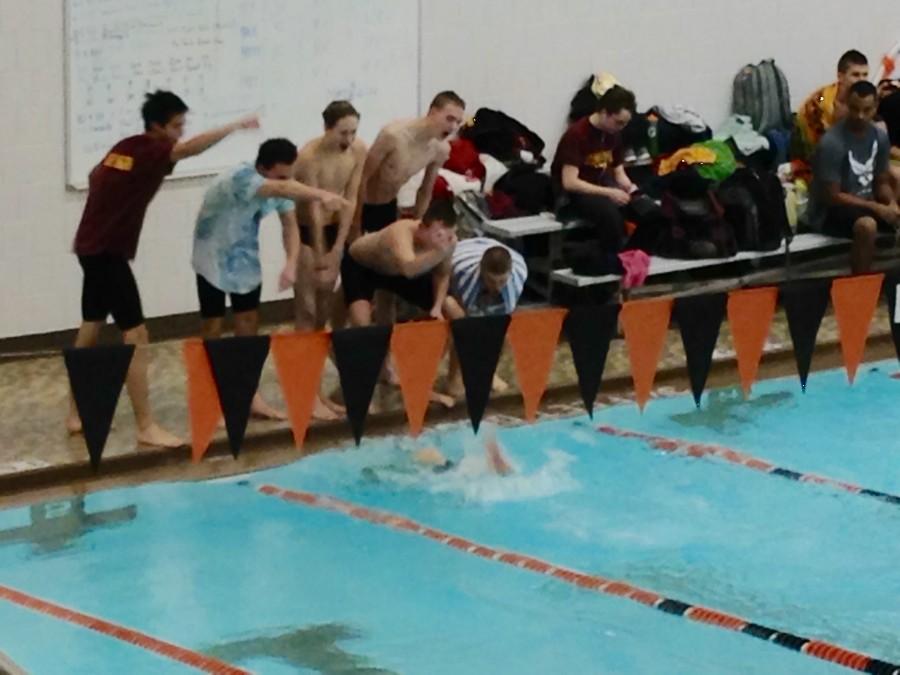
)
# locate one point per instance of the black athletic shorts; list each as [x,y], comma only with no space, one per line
[109,288]
[360,283]
[839,221]
[329,232]
[212,300]
[376,217]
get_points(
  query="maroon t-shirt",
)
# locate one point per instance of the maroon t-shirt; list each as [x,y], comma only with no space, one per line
[595,153]
[120,189]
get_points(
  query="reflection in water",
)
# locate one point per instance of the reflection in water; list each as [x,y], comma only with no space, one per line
[313,648]
[727,407]
[56,525]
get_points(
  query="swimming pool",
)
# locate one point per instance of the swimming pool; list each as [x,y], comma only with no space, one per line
[360,562]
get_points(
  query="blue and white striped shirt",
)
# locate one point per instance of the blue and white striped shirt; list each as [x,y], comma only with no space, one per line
[466,277]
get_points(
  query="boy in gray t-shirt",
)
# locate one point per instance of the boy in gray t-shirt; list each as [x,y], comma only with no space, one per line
[852,190]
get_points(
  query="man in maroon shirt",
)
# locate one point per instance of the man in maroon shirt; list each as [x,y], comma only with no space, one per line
[120,189]
[587,170]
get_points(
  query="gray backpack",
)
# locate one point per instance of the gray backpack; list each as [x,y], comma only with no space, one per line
[761,92]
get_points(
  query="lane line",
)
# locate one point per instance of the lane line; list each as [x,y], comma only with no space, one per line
[819,649]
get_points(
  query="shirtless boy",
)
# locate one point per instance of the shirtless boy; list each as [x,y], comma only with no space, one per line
[400,151]
[410,258]
[333,162]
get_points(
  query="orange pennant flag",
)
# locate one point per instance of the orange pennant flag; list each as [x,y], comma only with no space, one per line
[534,336]
[417,348]
[855,300]
[750,314]
[299,361]
[645,323]
[203,399]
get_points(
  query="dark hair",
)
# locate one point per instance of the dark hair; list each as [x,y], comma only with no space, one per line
[276,151]
[863,89]
[160,107]
[617,99]
[496,260]
[440,210]
[851,58]
[446,97]
[336,111]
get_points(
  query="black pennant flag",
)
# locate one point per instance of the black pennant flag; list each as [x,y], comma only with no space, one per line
[96,375]
[891,283]
[589,330]
[236,364]
[805,304]
[478,342]
[359,355]
[699,319]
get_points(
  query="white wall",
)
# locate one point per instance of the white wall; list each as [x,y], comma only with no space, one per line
[524,56]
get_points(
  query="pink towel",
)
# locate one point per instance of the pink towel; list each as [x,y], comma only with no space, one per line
[637,266]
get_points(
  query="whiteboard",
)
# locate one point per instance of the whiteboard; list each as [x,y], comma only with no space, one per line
[283,59]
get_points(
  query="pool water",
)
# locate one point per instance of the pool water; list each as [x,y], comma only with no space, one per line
[276,586]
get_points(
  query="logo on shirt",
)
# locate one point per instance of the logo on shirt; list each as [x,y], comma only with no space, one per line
[119,162]
[599,160]
[864,171]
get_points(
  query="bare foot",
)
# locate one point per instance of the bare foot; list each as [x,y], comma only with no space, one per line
[262,410]
[73,425]
[499,386]
[444,399]
[334,407]
[389,373]
[322,412]
[155,436]
[375,407]
[456,389]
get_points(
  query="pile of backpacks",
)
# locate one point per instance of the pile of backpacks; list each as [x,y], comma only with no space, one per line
[715,193]
[718,193]
[514,186]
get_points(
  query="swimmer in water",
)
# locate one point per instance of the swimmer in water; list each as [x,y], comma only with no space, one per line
[496,461]
[432,458]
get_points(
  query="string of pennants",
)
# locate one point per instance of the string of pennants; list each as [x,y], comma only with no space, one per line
[223,374]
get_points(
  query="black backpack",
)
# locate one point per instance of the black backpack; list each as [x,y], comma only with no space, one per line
[497,134]
[530,190]
[753,204]
[696,227]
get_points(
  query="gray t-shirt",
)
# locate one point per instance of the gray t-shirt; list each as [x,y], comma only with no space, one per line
[852,160]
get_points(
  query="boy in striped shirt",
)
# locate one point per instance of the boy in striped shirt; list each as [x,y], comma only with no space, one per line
[486,278]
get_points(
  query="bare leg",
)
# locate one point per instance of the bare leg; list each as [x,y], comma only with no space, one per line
[895,179]
[213,328]
[326,408]
[360,313]
[864,232]
[149,432]
[386,315]
[452,311]
[305,314]
[88,336]
[311,312]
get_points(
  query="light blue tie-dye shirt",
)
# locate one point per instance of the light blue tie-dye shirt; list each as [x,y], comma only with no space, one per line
[226,237]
